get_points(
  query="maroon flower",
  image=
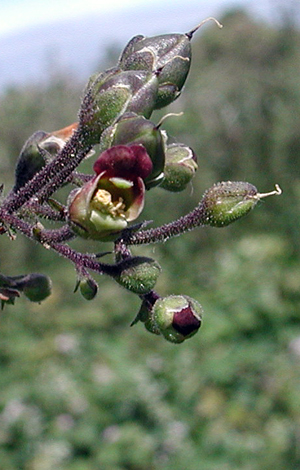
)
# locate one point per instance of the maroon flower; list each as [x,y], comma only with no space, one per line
[114,196]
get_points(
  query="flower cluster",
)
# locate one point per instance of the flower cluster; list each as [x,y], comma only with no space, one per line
[135,157]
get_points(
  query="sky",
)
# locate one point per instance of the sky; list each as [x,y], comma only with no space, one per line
[74,33]
[16,15]
[21,14]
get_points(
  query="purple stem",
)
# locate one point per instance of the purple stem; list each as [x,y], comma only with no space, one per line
[193,219]
[51,177]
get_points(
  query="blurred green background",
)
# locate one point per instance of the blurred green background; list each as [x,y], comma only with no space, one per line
[79,388]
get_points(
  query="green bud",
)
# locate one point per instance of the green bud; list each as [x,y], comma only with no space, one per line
[131,128]
[36,287]
[111,95]
[138,274]
[30,161]
[168,53]
[88,288]
[40,148]
[180,167]
[177,317]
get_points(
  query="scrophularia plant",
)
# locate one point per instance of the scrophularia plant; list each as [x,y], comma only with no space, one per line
[135,157]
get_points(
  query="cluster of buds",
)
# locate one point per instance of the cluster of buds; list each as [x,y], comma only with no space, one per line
[135,157]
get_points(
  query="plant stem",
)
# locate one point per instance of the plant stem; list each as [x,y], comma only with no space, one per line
[193,219]
[50,177]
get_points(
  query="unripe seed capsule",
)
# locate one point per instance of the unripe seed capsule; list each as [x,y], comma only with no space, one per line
[228,201]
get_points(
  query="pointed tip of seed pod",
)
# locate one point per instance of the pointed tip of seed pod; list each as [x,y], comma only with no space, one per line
[210,18]
[166,116]
[276,192]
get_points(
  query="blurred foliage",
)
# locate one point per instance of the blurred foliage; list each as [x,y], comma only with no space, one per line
[79,389]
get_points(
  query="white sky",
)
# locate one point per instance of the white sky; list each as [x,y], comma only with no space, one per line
[21,14]
[16,15]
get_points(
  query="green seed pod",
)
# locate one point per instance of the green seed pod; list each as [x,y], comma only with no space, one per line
[177,317]
[131,128]
[30,161]
[180,167]
[88,288]
[138,274]
[108,98]
[226,202]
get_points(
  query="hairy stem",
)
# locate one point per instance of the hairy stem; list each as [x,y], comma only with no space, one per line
[53,239]
[50,177]
[193,219]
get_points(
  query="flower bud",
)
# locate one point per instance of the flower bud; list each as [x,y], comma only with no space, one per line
[30,160]
[131,128]
[36,150]
[226,202]
[138,274]
[177,317]
[169,53]
[36,287]
[110,95]
[55,141]
[88,288]
[180,167]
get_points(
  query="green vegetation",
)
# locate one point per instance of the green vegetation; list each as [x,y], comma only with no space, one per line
[79,388]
